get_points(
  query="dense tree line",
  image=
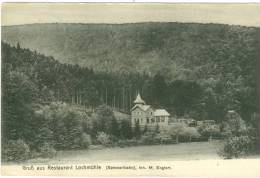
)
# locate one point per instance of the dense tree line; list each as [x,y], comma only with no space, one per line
[209,98]
[188,48]
[192,70]
[31,81]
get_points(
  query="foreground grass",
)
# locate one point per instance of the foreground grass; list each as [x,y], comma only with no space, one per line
[181,151]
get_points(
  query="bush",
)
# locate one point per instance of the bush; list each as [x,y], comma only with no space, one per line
[210,131]
[85,140]
[47,151]
[176,130]
[239,137]
[191,133]
[234,125]
[137,131]
[15,150]
[66,126]
[149,139]
[163,138]
[237,146]
[103,138]
[128,142]
[125,129]
[113,139]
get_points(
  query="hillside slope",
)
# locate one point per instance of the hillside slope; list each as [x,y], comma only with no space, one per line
[179,51]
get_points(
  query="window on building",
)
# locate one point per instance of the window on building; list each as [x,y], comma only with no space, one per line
[152,120]
[147,120]
[157,119]
[163,119]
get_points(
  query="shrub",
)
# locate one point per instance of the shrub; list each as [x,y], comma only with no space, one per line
[234,125]
[47,151]
[163,138]
[149,139]
[176,130]
[106,121]
[190,133]
[85,140]
[125,129]
[128,142]
[66,126]
[239,136]
[209,130]
[103,138]
[237,146]
[137,131]
[15,150]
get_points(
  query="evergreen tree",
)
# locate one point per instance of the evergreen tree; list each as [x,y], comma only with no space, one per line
[159,89]
[137,131]
[145,129]
[126,130]
[114,128]
[18,46]
[157,129]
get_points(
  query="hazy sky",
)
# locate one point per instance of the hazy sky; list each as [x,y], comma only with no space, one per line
[27,13]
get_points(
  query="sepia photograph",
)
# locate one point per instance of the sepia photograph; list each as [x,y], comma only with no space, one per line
[160,84]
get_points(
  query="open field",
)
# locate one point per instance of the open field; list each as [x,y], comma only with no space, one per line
[181,151]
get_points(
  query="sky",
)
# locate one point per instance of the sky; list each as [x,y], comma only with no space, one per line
[29,13]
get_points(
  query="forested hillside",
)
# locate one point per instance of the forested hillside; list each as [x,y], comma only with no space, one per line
[192,70]
[36,113]
[179,51]
[201,70]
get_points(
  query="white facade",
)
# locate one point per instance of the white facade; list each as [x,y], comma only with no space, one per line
[145,115]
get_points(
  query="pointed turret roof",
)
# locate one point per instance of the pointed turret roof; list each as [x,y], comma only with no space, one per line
[139,100]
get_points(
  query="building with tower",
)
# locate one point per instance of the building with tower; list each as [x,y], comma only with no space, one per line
[146,115]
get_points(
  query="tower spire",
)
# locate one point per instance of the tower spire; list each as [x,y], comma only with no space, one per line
[138,99]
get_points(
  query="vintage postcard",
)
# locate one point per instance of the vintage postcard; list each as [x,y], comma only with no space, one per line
[130,89]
